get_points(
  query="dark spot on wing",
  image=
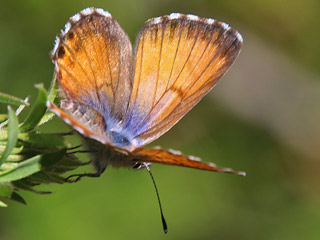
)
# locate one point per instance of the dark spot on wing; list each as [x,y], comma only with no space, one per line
[77,45]
[178,91]
[70,36]
[174,25]
[61,52]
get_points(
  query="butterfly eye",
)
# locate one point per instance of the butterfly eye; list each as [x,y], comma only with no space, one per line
[119,139]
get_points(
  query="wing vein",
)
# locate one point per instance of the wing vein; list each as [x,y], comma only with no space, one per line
[65,69]
[214,57]
[84,49]
[75,58]
[137,90]
[96,54]
[160,55]
[174,60]
[117,84]
[108,57]
[174,113]
[186,61]
[142,122]
[160,122]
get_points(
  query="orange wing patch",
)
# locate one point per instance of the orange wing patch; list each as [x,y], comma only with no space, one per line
[93,61]
[178,60]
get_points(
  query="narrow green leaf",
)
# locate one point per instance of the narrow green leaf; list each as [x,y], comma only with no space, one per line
[51,159]
[40,178]
[7,166]
[45,178]
[2,204]
[52,89]
[70,163]
[18,111]
[16,197]
[26,187]
[15,150]
[15,158]
[47,117]
[37,111]
[8,99]
[5,190]
[23,169]
[43,140]
[31,166]
[12,135]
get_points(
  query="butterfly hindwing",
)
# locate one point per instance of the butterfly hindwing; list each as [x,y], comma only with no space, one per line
[179,58]
[88,130]
[175,158]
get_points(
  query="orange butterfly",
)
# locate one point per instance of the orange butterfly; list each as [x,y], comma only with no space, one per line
[121,99]
[125,100]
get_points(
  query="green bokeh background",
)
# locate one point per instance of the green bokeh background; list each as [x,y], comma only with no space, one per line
[279,199]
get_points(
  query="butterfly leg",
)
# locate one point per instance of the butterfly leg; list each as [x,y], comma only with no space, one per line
[141,165]
[81,175]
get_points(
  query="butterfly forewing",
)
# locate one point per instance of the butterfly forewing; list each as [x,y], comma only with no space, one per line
[179,58]
[93,59]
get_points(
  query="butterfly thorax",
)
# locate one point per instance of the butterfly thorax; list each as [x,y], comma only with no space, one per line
[119,139]
[104,155]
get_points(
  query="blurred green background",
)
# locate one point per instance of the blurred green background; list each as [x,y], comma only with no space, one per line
[263,118]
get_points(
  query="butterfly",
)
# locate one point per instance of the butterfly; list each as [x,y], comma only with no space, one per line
[121,99]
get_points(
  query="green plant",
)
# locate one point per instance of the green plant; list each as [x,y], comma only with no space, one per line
[30,157]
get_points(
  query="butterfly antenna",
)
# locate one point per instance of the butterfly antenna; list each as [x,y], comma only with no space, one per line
[164,223]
